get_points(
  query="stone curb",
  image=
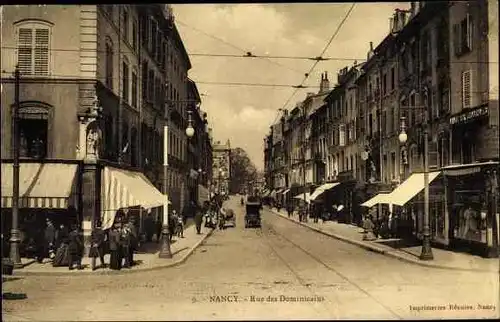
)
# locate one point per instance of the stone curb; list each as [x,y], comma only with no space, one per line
[382,251]
[110,272]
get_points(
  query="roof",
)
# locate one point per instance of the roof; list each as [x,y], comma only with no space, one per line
[315,102]
[180,44]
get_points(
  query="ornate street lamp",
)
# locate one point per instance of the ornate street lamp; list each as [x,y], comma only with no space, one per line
[426,253]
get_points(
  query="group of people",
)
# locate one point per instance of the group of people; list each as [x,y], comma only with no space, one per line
[123,241]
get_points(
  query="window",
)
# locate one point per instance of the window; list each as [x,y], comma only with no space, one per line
[33,132]
[33,49]
[126,22]
[466,89]
[444,98]
[134,89]
[109,64]
[393,78]
[384,83]
[144,25]
[134,35]
[462,36]
[342,135]
[151,84]
[144,80]
[393,165]
[125,82]
[153,38]
[425,49]
[370,124]
[411,113]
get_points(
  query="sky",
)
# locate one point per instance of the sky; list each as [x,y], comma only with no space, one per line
[243,114]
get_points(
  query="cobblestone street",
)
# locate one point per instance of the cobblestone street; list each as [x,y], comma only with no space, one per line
[256,274]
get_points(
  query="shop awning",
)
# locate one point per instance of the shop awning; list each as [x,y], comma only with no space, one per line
[466,169]
[323,188]
[380,198]
[301,197]
[203,194]
[265,193]
[286,191]
[409,188]
[41,185]
[123,189]
[273,194]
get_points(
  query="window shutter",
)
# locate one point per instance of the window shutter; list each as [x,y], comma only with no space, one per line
[470,31]
[466,89]
[25,50]
[41,51]
[456,39]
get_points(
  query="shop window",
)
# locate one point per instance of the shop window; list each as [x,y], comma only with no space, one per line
[33,48]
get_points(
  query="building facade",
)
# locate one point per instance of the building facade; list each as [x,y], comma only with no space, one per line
[221,167]
[93,101]
[434,76]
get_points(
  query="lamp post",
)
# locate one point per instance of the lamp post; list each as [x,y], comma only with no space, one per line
[165,251]
[14,233]
[426,253]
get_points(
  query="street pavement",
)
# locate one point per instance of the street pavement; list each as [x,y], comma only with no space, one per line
[282,271]
[395,247]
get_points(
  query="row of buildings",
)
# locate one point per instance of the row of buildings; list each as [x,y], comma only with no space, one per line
[435,74]
[103,95]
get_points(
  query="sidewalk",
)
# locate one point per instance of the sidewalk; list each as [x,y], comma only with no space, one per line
[146,258]
[443,259]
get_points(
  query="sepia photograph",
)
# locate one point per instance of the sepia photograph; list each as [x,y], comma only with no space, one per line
[250,161]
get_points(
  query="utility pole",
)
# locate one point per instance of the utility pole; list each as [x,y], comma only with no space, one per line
[14,233]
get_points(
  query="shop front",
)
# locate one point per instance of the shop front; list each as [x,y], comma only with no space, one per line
[472,194]
[48,190]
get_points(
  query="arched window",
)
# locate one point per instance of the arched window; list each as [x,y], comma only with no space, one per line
[33,47]
[33,129]
[109,63]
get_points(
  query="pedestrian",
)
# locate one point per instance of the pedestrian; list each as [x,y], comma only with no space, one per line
[114,248]
[289,209]
[75,248]
[198,216]
[134,241]
[180,225]
[50,239]
[159,227]
[98,239]
[62,253]
[149,227]
[126,244]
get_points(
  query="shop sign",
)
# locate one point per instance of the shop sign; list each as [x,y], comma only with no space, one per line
[469,116]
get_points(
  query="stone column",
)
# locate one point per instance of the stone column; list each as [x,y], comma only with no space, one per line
[90,204]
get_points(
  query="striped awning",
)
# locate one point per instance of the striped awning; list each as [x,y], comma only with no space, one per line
[124,189]
[41,185]
[380,198]
[323,188]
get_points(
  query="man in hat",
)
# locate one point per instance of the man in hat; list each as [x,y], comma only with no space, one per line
[98,239]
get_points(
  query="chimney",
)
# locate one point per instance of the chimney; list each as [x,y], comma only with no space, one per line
[370,53]
[324,86]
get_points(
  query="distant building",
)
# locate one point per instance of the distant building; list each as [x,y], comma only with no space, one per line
[221,167]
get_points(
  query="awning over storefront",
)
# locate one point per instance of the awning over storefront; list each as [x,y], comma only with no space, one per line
[286,191]
[323,188]
[301,197]
[41,185]
[380,198]
[409,188]
[466,169]
[273,194]
[123,189]
[265,193]
[203,194]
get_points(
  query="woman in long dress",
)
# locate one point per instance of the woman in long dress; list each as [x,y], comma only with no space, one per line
[62,253]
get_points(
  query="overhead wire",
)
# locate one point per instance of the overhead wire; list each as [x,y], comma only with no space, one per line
[306,76]
[359,60]
[236,47]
